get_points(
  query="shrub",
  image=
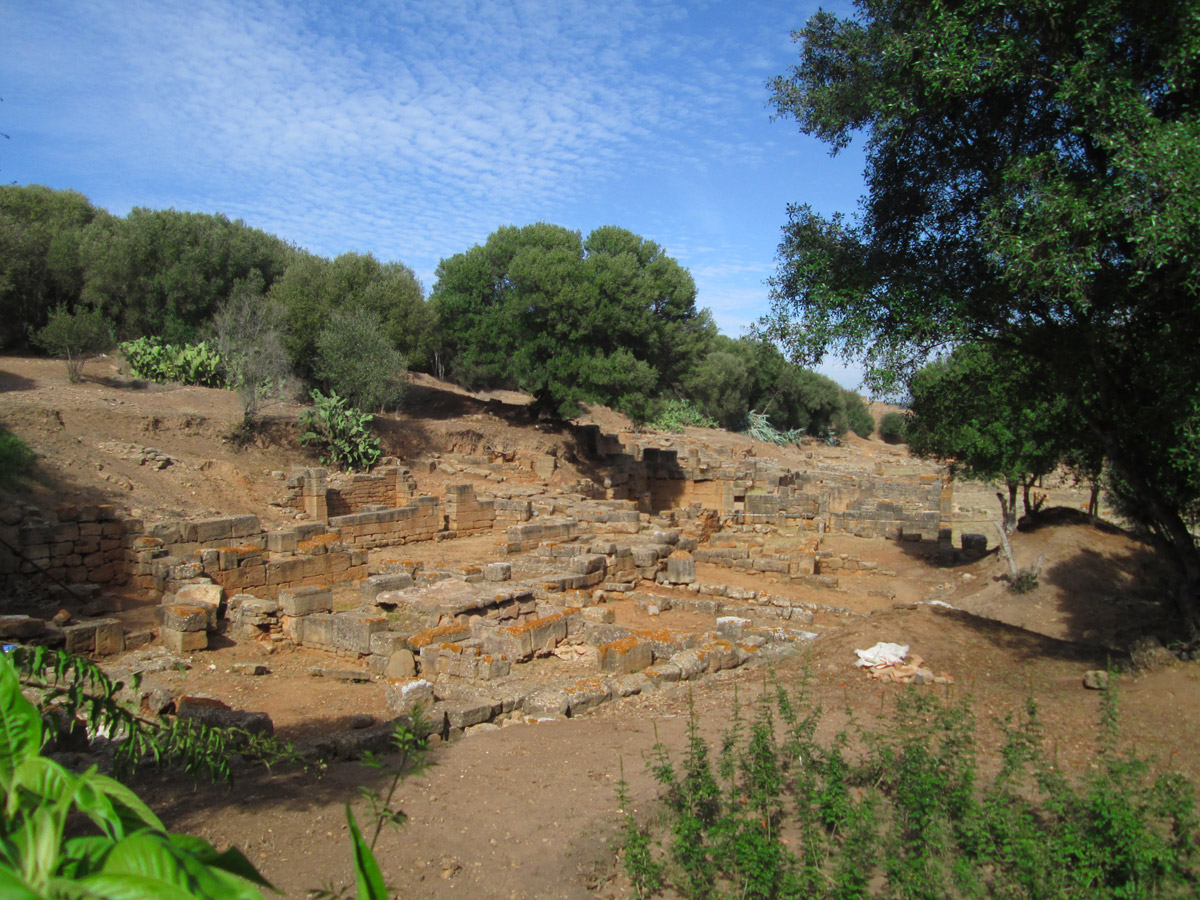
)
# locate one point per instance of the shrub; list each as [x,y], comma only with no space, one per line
[340,432]
[16,459]
[759,427]
[356,360]
[676,415]
[912,815]
[858,417]
[155,360]
[893,428]
[75,337]
[249,338]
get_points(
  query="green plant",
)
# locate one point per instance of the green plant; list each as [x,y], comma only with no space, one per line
[126,852]
[1023,582]
[16,459]
[155,360]
[356,359]
[759,427]
[909,815]
[676,415]
[71,690]
[75,337]
[893,427]
[340,431]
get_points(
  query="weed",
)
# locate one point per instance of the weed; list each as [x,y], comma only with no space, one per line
[907,815]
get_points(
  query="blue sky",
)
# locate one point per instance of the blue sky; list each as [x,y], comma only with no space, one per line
[412,130]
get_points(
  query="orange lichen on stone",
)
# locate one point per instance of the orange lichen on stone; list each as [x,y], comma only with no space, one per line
[425,638]
[526,627]
[661,635]
[620,645]
[147,543]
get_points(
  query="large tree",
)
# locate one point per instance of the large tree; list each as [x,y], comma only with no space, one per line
[40,267]
[165,272]
[1033,180]
[314,287]
[992,416]
[608,319]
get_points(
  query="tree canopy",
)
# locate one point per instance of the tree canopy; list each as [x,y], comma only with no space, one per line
[313,287]
[992,416]
[40,266]
[1033,181]
[609,319]
[166,272]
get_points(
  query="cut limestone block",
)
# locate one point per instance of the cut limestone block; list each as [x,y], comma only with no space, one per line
[626,655]
[681,568]
[405,693]
[305,601]
[183,641]
[209,595]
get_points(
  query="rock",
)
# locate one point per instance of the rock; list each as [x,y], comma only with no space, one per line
[1095,680]
[401,664]
[361,720]
[216,714]
[250,669]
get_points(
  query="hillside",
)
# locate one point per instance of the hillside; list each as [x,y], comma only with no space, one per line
[528,809]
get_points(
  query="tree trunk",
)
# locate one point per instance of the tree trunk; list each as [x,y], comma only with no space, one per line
[1008,508]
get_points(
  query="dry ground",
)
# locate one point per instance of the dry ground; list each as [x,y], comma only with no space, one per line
[529,811]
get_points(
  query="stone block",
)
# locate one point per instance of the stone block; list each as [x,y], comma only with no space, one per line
[405,693]
[370,588]
[183,616]
[626,655]
[465,712]
[207,595]
[681,568]
[401,664]
[183,641]
[547,703]
[352,631]
[496,572]
[305,601]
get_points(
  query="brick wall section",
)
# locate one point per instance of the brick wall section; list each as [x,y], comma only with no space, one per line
[466,513]
[87,544]
[312,490]
[418,521]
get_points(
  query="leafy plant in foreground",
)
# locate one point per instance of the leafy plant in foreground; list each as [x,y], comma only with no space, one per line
[340,431]
[127,853]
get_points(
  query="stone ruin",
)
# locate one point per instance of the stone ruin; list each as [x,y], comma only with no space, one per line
[460,640]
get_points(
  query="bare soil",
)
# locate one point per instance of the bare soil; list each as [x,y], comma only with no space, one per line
[529,810]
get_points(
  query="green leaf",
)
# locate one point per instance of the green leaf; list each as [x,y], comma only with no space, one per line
[231,860]
[20,724]
[366,870]
[12,887]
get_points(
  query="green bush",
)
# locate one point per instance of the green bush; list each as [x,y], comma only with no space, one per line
[356,360]
[676,415]
[340,432]
[759,427]
[75,337]
[910,816]
[16,459]
[893,428]
[155,360]
[858,416]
